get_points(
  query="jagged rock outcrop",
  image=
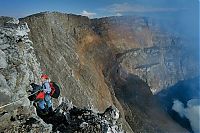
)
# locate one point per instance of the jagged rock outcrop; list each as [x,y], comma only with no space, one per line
[98,63]
[18,65]
[69,118]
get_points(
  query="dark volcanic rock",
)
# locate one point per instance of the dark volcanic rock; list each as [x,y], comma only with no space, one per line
[69,118]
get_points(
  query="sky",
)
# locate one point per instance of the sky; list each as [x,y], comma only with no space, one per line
[181,16]
[94,8]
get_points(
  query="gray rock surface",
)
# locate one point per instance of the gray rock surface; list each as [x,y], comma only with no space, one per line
[18,65]
[159,67]
[3,62]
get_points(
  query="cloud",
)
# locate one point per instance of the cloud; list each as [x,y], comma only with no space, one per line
[192,112]
[126,7]
[88,14]
[118,14]
[178,107]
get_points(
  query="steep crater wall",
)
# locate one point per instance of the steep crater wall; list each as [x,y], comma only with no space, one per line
[74,56]
[98,63]
[61,42]
[142,48]
[83,54]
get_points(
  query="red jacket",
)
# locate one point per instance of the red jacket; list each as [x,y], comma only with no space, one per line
[40,95]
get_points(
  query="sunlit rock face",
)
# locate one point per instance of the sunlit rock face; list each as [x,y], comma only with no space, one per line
[97,62]
[62,43]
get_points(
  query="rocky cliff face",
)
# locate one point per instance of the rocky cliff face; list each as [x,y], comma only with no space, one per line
[101,62]
[18,65]
[61,43]
[142,48]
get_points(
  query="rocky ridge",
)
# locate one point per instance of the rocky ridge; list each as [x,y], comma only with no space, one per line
[69,118]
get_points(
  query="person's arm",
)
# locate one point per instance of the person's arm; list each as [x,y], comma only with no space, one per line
[47,88]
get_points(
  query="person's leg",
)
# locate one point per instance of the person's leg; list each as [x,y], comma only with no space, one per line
[41,104]
[48,101]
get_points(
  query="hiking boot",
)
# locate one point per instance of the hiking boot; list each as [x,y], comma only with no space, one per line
[50,109]
[44,111]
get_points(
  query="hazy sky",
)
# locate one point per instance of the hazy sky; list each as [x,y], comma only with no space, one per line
[179,15]
[94,8]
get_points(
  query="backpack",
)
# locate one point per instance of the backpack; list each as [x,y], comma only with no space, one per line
[35,95]
[55,90]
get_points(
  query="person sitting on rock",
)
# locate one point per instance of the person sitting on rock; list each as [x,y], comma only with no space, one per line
[47,90]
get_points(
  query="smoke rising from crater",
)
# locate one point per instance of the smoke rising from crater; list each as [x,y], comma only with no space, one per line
[191,112]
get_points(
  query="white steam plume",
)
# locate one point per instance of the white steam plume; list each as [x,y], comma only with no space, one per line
[192,112]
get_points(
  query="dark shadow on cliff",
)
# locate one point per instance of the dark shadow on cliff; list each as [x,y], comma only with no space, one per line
[142,111]
[183,91]
[133,90]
